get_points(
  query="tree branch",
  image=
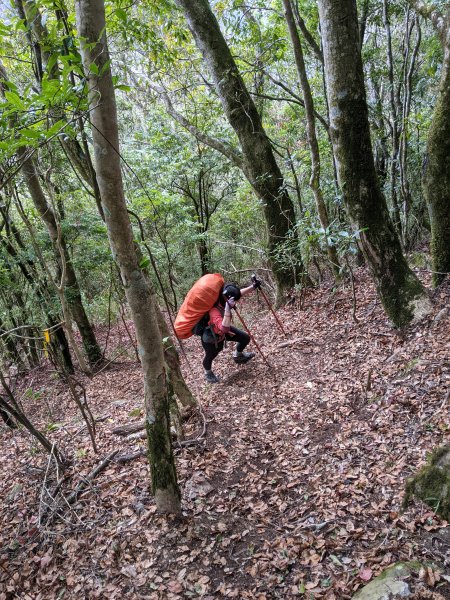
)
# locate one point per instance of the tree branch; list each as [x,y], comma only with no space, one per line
[307,34]
[225,149]
[287,89]
[430,11]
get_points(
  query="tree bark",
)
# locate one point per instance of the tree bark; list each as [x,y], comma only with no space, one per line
[436,179]
[72,289]
[401,293]
[91,28]
[314,181]
[260,166]
[394,123]
[28,270]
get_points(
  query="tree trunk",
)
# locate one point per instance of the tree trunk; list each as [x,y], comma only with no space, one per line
[401,293]
[72,289]
[314,181]
[9,421]
[436,180]
[179,386]
[9,345]
[91,28]
[10,406]
[260,166]
[28,270]
[409,66]
[42,48]
[394,124]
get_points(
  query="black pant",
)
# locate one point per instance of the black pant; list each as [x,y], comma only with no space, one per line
[211,350]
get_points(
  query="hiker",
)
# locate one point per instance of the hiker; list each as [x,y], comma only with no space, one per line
[220,329]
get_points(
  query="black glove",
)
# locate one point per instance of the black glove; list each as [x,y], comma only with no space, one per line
[256,283]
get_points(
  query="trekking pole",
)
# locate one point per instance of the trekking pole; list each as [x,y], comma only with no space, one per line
[269,305]
[251,337]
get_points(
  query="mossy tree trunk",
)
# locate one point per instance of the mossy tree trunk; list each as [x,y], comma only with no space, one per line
[401,293]
[436,179]
[432,482]
[259,164]
[91,28]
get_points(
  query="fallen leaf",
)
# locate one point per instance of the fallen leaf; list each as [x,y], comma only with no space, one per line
[365,574]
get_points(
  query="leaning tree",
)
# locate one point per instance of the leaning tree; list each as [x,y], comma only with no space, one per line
[139,292]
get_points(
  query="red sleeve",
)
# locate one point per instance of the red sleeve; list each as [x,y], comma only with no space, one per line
[215,319]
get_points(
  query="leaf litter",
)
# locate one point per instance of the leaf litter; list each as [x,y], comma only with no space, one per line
[295,492]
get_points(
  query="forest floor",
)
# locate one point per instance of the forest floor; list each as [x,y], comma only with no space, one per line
[295,492]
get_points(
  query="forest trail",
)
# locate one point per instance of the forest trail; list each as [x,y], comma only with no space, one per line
[297,489]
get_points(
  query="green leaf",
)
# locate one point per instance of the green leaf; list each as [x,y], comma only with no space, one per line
[136,412]
[336,561]
[93,68]
[105,67]
[30,134]
[125,88]
[55,128]
[53,426]
[15,100]
[144,263]
[4,30]
[121,14]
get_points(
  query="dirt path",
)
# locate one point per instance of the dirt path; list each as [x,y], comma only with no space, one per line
[296,491]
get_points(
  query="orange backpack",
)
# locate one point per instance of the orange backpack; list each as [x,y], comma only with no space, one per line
[200,299]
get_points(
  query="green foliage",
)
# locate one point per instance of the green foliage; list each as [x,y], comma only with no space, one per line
[151,45]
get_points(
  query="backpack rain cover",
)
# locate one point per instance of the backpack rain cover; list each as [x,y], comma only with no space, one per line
[199,300]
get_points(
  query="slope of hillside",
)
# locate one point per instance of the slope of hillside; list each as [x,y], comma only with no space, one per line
[294,491]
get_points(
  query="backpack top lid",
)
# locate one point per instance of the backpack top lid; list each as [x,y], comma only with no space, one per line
[199,300]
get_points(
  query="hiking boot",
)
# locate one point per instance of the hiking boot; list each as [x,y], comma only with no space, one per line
[242,357]
[210,377]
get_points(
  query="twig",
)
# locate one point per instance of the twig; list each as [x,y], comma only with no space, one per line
[368,386]
[27,595]
[109,310]
[73,497]
[92,475]
[111,361]
[41,497]
[133,343]
[201,437]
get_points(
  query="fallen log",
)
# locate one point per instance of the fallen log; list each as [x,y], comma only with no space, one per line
[124,430]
